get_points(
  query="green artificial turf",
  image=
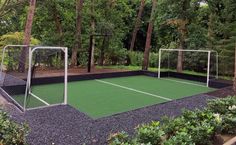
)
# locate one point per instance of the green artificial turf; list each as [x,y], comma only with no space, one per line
[115,95]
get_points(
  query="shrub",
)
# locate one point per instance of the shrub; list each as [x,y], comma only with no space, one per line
[223,106]
[200,125]
[135,58]
[226,108]
[15,38]
[150,133]
[11,133]
[153,59]
[181,138]
[120,138]
[197,127]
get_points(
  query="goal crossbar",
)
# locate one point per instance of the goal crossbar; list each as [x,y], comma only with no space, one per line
[209,52]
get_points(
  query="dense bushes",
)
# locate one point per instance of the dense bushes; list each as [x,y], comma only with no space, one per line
[136,58]
[197,127]
[120,57]
[226,110]
[11,133]
[15,38]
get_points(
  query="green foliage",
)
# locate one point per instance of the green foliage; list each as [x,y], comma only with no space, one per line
[196,127]
[15,38]
[199,125]
[223,105]
[226,109]
[180,138]
[118,18]
[12,133]
[120,138]
[116,56]
[150,133]
[136,58]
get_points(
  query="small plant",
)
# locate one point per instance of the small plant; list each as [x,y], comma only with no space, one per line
[181,138]
[223,106]
[226,108]
[200,125]
[120,138]
[11,133]
[150,133]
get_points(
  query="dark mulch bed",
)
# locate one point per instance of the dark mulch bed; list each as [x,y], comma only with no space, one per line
[71,71]
[64,125]
[222,93]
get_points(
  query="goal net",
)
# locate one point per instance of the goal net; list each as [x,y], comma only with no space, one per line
[198,65]
[35,79]
[13,75]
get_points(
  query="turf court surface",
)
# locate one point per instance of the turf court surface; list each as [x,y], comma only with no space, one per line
[105,97]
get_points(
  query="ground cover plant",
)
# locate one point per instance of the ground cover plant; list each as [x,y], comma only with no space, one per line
[198,127]
[12,133]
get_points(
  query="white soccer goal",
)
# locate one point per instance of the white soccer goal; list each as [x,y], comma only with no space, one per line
[27,88]
[208,54]
[41,52]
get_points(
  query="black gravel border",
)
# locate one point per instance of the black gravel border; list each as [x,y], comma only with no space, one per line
[64,125]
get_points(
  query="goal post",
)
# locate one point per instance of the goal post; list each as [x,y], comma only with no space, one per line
[27,88]
[12,80]
[208,52]
[30,72]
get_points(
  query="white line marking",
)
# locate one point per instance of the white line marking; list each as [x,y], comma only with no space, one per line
[42,107]
[39,99]
[131,89]
[184,82]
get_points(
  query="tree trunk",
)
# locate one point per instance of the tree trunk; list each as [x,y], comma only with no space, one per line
[78,42]
[137,25]
[183,32]
[92,31]
[180,56]
[105,46]
[234,85]
[149,36]
[102,52]
[27,34]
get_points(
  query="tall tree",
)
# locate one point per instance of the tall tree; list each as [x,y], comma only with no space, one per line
[182,28]
[181,25]
[180,14]
[149,36]
[27,34]
[234,86]
[137,24]
[215,9]
[92,23]
[78,45]
[224,33]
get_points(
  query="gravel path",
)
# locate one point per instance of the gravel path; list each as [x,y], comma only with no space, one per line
[64,125]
